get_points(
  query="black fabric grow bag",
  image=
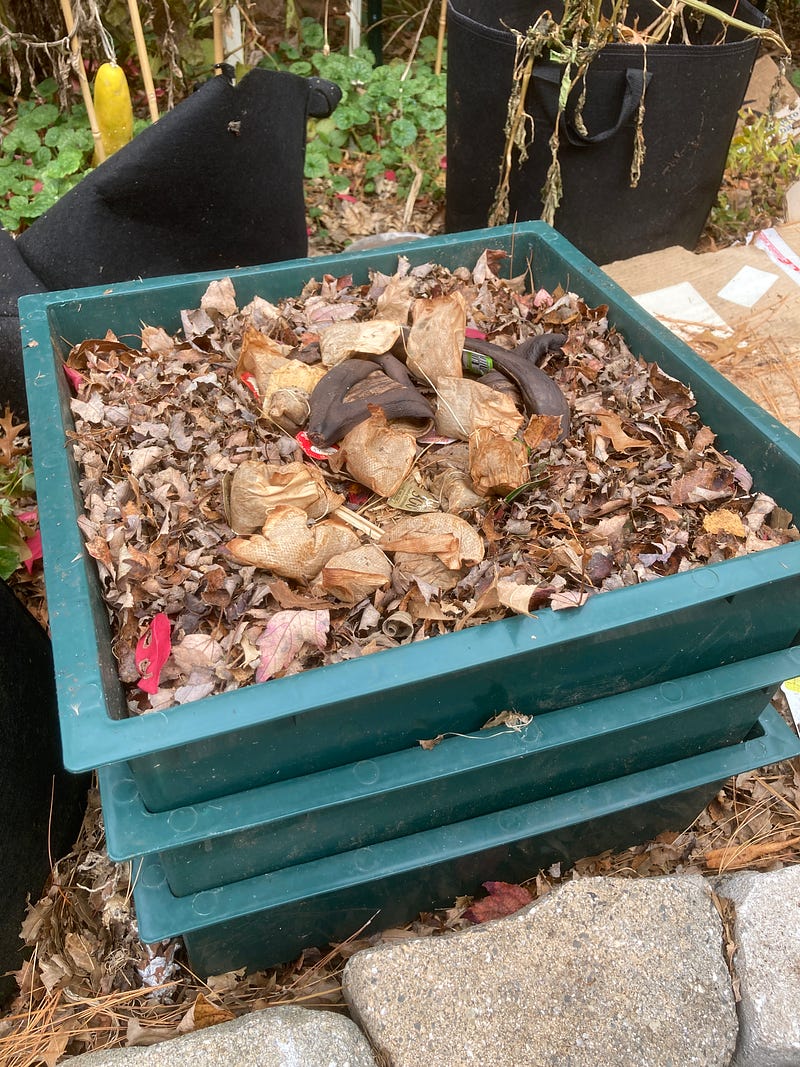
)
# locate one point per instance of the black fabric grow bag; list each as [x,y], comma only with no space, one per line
[693,93]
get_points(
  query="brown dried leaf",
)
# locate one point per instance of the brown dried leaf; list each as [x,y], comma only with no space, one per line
[611,428]
[205,1014]
[701,485]
[219,298]
[286,635]
[542,432]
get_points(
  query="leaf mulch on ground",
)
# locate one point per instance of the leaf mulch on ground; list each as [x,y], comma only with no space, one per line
[436,501]
[90,984]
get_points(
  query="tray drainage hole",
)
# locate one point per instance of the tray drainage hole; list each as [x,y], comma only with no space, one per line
[705,578]
[672,691]
[182,820]
[509,821]
[205,903]
[367,772]
[151,877]
[366,861]
[125,792]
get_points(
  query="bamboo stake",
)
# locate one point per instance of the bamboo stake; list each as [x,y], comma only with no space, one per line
[437,69]
[360,522]
[86,92]
[144,61]
[219,43]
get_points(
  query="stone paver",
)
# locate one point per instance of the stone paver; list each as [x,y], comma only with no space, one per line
[601,971]
[274,1037]
[767,963]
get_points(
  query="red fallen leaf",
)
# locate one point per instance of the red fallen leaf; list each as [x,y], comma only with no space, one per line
[34,544]
[476,335]
[390,175]
[346,196]
[75,378]
[504,899]
[152,652]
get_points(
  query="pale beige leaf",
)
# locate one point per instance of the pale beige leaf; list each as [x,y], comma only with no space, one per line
[286,635]
[515,596]
[219,298]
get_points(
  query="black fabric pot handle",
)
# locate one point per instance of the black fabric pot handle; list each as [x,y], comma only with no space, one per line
[636,81]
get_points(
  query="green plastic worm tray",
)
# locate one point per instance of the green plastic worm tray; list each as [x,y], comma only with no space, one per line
[291,822]
[622,640]
[268,919]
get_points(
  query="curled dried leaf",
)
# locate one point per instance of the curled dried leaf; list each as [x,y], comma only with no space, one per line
[288,408]
[456,491]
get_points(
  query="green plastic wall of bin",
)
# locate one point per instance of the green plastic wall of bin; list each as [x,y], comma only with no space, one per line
[271,918]
[638,636]
[232,838]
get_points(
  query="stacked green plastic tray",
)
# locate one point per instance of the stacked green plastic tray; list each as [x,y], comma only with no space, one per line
[715,635]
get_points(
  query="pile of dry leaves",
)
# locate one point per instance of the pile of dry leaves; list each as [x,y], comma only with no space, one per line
[287,486]
[90,983]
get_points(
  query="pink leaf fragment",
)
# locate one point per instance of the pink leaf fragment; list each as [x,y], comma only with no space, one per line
[152,652]
[475,335]
[286,635]
[75,378]
[34,544]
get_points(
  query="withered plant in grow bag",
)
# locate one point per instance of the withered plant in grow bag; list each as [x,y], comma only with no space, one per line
[609,119]
[290,485]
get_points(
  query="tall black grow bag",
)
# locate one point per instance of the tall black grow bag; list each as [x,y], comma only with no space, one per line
[692,95]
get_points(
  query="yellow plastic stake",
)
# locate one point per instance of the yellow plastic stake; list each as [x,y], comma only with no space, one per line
[112,104]
[144,61]
[86,92]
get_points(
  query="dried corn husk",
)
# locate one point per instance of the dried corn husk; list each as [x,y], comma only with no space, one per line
[377,455]
[352,576]
[496,464]
[445,536]
[464,405]
[456,492]
[290,548]
[436,338]
[344,339]
[257,488]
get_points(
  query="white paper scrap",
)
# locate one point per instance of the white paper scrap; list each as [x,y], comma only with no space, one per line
[683,309]
[747,286]
[771,242]
[791,690]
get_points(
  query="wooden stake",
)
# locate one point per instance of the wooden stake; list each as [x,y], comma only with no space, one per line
[86,92]
[437,69]
[144,61]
